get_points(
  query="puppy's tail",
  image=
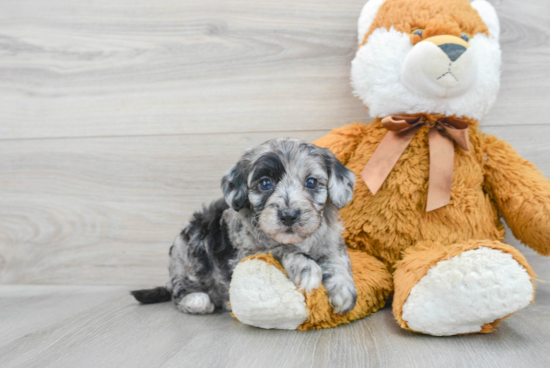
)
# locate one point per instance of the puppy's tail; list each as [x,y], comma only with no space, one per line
[150,296]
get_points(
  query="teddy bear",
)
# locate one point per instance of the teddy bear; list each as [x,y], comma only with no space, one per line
[424,224]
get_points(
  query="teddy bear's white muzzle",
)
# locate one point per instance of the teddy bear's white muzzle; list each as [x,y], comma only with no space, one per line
[440,67]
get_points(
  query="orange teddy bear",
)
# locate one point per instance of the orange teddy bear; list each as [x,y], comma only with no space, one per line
[424,221]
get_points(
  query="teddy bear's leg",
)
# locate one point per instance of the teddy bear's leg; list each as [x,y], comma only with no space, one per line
[460,288]
[262,295]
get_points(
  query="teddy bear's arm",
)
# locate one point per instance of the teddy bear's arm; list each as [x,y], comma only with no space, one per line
[342,141]
[521,193]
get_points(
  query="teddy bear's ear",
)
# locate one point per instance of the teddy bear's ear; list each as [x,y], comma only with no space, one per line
[367,17]
[489,16]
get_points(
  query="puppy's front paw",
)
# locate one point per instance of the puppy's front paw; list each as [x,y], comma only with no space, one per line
[343,298]
[303,271]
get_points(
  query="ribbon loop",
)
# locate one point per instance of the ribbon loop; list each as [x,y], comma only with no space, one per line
[401,131]
[401,123]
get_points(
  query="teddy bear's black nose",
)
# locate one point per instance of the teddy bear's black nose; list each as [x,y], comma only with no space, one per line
[453,50]
[289,217]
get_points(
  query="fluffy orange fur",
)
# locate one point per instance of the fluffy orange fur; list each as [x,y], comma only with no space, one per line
[392,233]
[520,193]
[418,259]
[393,226]
[374,285]
[435,17]
[390,222]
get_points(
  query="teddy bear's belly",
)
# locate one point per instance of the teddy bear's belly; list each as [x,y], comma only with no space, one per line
[395,218]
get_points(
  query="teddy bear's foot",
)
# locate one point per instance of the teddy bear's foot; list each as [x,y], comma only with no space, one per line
[462,288]
[262,295]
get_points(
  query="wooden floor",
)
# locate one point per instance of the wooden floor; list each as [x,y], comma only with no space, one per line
[118,119]
[101,326]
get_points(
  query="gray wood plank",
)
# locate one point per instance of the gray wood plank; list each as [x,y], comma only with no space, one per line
[104,211]
[104,327]
[525,78]
[177,90]
[103,67]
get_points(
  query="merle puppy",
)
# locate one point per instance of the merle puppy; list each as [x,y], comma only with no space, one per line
[282,196]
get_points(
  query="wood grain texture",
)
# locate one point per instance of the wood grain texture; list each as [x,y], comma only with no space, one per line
[118,119]
[141,67]
[104,211]
[144,67]
[60,326]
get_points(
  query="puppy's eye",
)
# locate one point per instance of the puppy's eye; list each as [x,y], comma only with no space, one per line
[465,36]
[418,32]
[265,184]
[311,183]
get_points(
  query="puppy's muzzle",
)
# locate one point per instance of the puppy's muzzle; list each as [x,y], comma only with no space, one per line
[289,217]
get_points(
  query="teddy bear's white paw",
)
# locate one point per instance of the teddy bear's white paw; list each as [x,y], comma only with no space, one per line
[262,296]
[461,294]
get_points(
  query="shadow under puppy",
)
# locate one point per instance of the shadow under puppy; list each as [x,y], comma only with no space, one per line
[282,197]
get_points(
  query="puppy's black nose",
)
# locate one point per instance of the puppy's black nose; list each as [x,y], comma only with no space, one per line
[453,50]
[289,217]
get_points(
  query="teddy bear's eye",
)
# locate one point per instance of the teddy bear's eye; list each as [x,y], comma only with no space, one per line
[418,32]
[465,36]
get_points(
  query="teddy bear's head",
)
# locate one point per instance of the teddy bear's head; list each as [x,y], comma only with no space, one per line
[427,56]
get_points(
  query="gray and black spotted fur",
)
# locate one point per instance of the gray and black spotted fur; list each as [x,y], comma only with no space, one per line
[252,219]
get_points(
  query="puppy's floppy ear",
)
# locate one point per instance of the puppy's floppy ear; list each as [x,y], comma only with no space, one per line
[235,187]
[341,180]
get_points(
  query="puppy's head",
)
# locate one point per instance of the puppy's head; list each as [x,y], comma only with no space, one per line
[286,185]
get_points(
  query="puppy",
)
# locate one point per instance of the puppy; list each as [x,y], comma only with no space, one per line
[281,197]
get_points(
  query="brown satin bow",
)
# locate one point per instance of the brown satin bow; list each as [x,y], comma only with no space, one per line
[401,130]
